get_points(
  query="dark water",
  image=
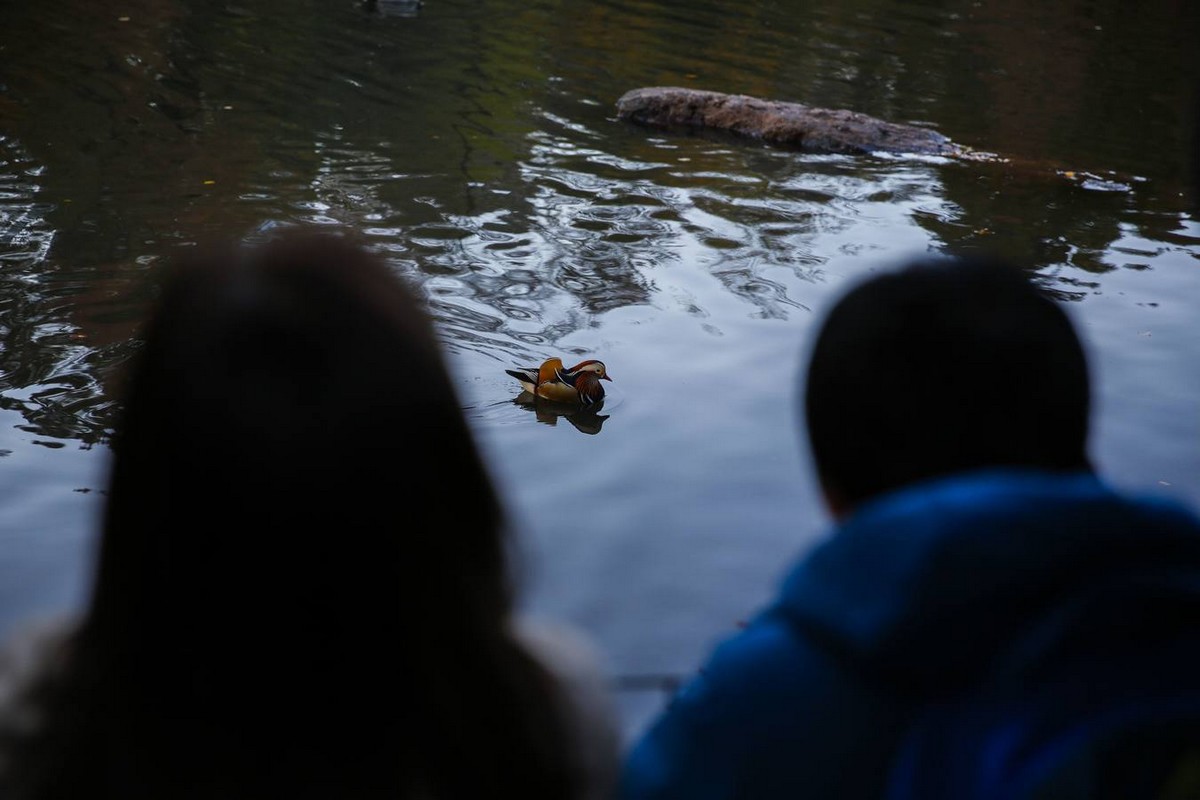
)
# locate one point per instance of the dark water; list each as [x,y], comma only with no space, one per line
[476,144]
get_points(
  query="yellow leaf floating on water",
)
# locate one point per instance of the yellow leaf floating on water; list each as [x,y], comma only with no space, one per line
[209,183]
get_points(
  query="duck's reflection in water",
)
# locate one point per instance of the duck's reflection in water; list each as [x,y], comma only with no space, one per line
[586,419]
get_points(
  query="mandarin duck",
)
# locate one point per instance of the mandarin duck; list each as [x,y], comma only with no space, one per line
[579,384]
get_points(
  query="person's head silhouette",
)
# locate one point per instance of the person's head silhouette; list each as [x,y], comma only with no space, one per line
[303,586]
[943,365]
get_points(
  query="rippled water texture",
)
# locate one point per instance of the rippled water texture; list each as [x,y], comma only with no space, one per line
[477,145]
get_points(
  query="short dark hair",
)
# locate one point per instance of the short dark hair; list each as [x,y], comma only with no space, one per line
[945,364]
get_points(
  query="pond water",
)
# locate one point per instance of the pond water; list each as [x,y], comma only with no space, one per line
[477,145]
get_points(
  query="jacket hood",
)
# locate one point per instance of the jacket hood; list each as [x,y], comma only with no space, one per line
[926,583]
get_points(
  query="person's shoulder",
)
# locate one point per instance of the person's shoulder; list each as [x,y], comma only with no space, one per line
[30,659]
[1167,510]
[771,713]
[32,653]
[579,669]
[564,650]
[758,670]
[575,663]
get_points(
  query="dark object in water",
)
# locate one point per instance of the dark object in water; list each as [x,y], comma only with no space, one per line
[826,130]
[398,8]
[813,130]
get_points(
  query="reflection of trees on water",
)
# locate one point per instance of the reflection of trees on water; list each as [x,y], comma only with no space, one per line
[1069,234]
[46,372]
[1039,221]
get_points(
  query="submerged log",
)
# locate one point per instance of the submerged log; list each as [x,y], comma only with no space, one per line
[806,128]
[826,130]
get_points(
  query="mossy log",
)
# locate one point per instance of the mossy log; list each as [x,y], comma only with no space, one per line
[794,125]
[825,130]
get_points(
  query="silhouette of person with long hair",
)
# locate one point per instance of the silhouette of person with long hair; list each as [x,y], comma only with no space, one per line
[303,585]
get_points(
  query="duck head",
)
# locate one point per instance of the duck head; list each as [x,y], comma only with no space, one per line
[590,366]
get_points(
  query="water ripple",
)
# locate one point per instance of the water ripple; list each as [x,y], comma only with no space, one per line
[25,236]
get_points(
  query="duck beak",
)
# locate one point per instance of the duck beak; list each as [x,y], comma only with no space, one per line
[605,378]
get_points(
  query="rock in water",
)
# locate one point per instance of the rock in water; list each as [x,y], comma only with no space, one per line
[812,130]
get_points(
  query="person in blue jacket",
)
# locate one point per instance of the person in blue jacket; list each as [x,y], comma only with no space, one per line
[947,406]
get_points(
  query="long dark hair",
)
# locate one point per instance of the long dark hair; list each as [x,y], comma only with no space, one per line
[302,586]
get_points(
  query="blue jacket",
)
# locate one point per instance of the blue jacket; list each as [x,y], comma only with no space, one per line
[909,598]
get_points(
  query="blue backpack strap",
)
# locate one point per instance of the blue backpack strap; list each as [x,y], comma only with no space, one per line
[1102,692]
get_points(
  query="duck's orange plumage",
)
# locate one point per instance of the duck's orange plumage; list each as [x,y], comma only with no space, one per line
[579,384]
